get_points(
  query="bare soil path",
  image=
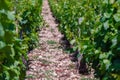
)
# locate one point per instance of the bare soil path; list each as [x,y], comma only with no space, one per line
[49,61]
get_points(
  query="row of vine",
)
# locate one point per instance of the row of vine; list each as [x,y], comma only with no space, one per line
[19,23]
[93,27]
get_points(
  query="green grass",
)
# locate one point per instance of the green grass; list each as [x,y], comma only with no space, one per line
[89,79]
[51,42]
[48,73]
[46,62]
[30,76]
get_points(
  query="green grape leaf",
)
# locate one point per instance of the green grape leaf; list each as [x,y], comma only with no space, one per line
[1,30]
[103,56]
[7,75]
[107,63]
[106,25]
[72,41]
[2,44]
[117,17]
[12,51]
[10,15]
[112,1]
[114,42]
[107,15]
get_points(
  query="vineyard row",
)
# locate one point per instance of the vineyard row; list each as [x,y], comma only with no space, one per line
[19,22]
[93,28]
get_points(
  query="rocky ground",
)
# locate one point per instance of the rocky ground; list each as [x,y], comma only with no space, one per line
[49,61]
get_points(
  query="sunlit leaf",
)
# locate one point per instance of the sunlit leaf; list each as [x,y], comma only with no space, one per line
[117,17]
[2,44]
[10,15]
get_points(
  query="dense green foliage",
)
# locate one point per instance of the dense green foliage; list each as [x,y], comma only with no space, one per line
[19,21]
[93,26]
